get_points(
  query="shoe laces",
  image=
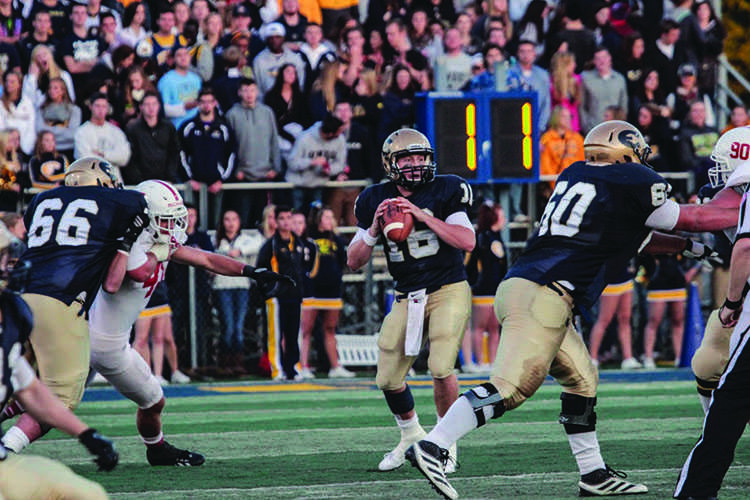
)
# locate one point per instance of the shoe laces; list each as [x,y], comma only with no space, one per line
[613,472]
[446,457]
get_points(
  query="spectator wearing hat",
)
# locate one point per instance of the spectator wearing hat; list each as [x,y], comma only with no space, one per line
[179,89]
[268,62]
[686,94]
[243,21]
[154,145]
[453,68]
[293,22]
[79,50]
[258,156]
[98,137]
[600,87]
[319,155]
[666,54]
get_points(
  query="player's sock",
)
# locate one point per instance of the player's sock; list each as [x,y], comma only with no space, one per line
[409,426]
[585,448]
[11,410]
[153,441]
[458,421]
[15,440]
[705,402]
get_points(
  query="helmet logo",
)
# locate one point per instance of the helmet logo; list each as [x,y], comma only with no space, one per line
[629,138]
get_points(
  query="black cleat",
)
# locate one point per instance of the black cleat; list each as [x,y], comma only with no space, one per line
[166,454]
[606,482]
[430,459]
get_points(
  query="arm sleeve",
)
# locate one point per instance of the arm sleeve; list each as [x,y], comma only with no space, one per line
[459,197]
[460,219]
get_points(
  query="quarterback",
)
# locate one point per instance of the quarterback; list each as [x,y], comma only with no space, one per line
[598,216]
[78,240]
[432,292]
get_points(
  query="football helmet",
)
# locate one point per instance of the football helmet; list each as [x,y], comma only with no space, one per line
[14,274]
[166,211]
[615,141]
[732,148]
[92,171]
[404,142]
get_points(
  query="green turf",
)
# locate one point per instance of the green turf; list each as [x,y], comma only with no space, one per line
[326,444]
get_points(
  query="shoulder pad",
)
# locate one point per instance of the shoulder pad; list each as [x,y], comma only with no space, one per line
[740,176]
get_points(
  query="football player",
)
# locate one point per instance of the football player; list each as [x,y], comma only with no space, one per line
[599,214]
[30,476]
[112,314]
[78,240]
[728,411]
[431,287]
[730,152]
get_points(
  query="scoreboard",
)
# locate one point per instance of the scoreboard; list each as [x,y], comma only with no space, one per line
[482,136]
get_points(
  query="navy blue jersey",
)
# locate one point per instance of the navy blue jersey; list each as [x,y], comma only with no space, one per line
[595,219]
[423,260]
[16,328]
[620,274]
[490,261]
[329,265]
[72,237]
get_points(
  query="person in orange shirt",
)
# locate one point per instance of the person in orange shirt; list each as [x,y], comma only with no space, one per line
[738,118]
[560,146]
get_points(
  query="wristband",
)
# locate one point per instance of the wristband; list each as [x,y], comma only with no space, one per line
[370,241]
[732,305]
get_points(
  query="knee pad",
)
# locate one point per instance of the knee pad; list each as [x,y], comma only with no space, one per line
[399,402]
[706,387]
[577,413]
[486,401]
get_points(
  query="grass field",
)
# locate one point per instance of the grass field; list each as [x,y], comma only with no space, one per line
[324,440]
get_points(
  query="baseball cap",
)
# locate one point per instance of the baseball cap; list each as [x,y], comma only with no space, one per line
[240,10]
[686,69]
[274,29]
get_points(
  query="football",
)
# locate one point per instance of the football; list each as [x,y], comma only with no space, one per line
[396,224]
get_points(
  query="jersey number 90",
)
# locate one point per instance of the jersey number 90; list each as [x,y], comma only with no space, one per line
[70,229]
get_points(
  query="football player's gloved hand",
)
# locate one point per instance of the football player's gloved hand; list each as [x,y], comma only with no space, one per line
[270,282]
[699,251]
[101,447]
[136,227]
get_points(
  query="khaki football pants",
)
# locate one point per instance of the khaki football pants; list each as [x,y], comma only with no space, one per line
[446,315]
[712,356]
[24,477]
[538,338]
[60,339]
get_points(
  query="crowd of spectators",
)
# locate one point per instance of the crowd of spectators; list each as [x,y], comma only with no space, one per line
[210,92]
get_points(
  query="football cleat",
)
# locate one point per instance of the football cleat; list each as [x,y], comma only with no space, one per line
[452,465]
[430,459]
[166,454]
[607,482]
[395,458]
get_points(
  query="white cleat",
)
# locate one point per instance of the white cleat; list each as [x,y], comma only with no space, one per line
[395,458]
[608,482]
[430,459]
[180,378]
[162,381]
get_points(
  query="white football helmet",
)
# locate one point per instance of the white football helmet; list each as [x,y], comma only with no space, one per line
[730,150]
[166,211]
